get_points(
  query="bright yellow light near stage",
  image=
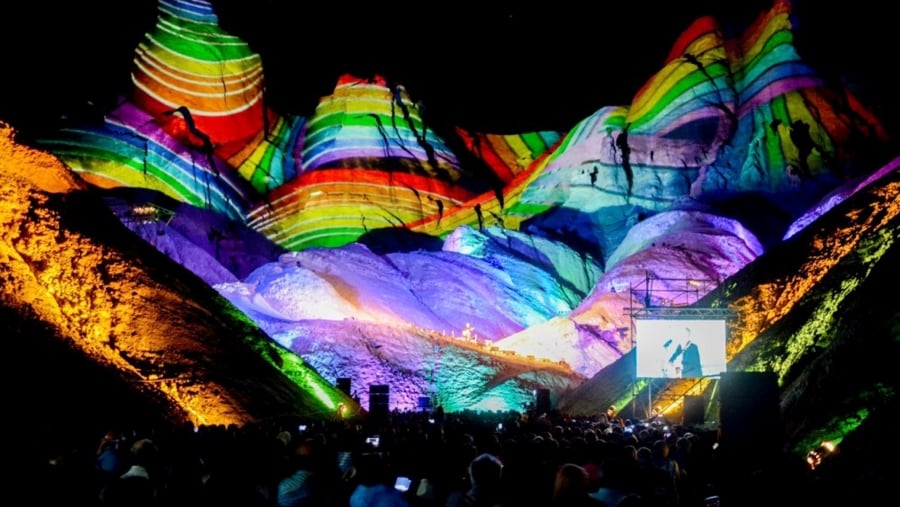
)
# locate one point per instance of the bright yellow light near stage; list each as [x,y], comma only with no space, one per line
[814,457]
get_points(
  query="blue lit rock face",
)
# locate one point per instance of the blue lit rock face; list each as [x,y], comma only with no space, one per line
[423,322]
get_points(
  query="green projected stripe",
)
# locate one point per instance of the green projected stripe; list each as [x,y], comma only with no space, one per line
[135,175]
[85,146]
[330,237]
[535,143]
[772,45]
[201,50]
[695,79]
[360,119]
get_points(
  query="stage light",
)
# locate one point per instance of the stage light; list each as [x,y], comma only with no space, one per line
[814,457]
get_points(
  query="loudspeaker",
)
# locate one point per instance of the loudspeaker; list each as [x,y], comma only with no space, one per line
[752,432]
[694,410]
[542,401]
[343,383]
[379,399]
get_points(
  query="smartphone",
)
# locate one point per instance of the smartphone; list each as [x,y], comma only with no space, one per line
[373,441]
[301,428]
[402,484]
[345,461]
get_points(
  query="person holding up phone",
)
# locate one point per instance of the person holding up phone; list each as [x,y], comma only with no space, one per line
[402,484]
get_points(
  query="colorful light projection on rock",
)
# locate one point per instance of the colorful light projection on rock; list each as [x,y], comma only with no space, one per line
[369,162]
[742,114]
[365,123]
[330,208]
[272,158]
[187,61]
[691,94]
[131,150]
[516,159]
[490,208]
[792,129]
[678,138]
[554,184]
[196,118]
[508,154]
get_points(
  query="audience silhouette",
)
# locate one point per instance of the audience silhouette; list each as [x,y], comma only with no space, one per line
[467,458]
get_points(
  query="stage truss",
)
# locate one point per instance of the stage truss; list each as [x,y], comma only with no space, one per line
[673,298]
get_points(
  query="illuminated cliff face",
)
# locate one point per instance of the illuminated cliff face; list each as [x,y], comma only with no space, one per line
[70,263]
[822,321]
[493,292]
[872,223]
[816,312]
[722,116]
[204,85]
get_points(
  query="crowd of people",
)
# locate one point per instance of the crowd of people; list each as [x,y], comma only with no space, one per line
[409,459]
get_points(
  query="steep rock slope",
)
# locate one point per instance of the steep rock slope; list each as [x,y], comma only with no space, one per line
[813,311]
[73,269]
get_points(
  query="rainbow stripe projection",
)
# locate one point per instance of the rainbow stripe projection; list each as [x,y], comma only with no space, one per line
[489,208]
[189,62]
[365,123]
[508,155]
[572,149]
[329,208]
[131,150]
[788,120]
[721,115]
[272,159]
[515,159]
[369,162]
[194,129]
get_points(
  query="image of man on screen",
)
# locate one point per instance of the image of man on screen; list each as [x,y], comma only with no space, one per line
[686,357]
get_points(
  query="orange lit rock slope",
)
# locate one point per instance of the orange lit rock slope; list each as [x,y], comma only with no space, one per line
[70,266]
